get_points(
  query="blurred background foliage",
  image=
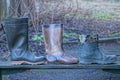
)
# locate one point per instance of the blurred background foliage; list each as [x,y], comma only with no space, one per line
[67,12]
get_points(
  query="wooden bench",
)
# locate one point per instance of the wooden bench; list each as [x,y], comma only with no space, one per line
[7,68]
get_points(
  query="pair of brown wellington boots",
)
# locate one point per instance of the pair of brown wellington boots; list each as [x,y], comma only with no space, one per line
[17,36]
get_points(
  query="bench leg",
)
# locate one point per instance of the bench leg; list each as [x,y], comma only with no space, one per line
[114,71]
[0,74]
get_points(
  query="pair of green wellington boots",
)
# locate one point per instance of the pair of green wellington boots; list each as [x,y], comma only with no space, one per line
[17,36]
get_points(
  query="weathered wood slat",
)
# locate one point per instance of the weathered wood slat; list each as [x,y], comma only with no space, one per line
[7,68]
[61,66]
[109,39]
[100,40]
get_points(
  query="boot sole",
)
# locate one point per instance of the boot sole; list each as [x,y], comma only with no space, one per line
[60,62]
[90,61]
[27,63]
[54,60]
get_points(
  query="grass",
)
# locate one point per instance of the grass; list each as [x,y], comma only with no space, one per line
[38,38]
[99,15]
[69,36]
[103,10]
[2,10]
[72,35]
[102,15]
[116,34]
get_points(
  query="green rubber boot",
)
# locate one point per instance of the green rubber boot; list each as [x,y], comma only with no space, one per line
[90,52]
[17,36]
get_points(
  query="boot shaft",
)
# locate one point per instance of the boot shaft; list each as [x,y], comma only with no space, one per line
[89,41]
[17,32]
[88,38]
[89,47]
[53,37]
[53,45]
[90,52]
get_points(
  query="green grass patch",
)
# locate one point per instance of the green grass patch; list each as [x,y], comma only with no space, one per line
[116,34]
[102,15]
[99,15]
[81,16]
[72,35]
[65,34]
[38,38]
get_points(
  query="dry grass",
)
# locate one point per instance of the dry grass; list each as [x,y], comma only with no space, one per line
[52,11]
[66,11]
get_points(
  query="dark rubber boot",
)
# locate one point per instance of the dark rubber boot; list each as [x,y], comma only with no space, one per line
[17,36]
[90,52]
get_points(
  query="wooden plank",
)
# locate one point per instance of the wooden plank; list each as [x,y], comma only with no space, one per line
[61,66]
[110,39]
[112,52]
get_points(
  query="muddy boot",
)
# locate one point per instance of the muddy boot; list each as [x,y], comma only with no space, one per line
[53,45]
[90,52]
[17,36]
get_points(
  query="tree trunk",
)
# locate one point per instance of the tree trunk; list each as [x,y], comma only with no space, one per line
[15,8]
[2,10]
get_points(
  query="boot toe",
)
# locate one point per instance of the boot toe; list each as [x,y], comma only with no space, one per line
[63,58]
[113,57]
[69,59]
[75,60]
[110,59]
[41,58]
[50,58]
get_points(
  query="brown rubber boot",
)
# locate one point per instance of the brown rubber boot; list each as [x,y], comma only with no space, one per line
[53,45]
